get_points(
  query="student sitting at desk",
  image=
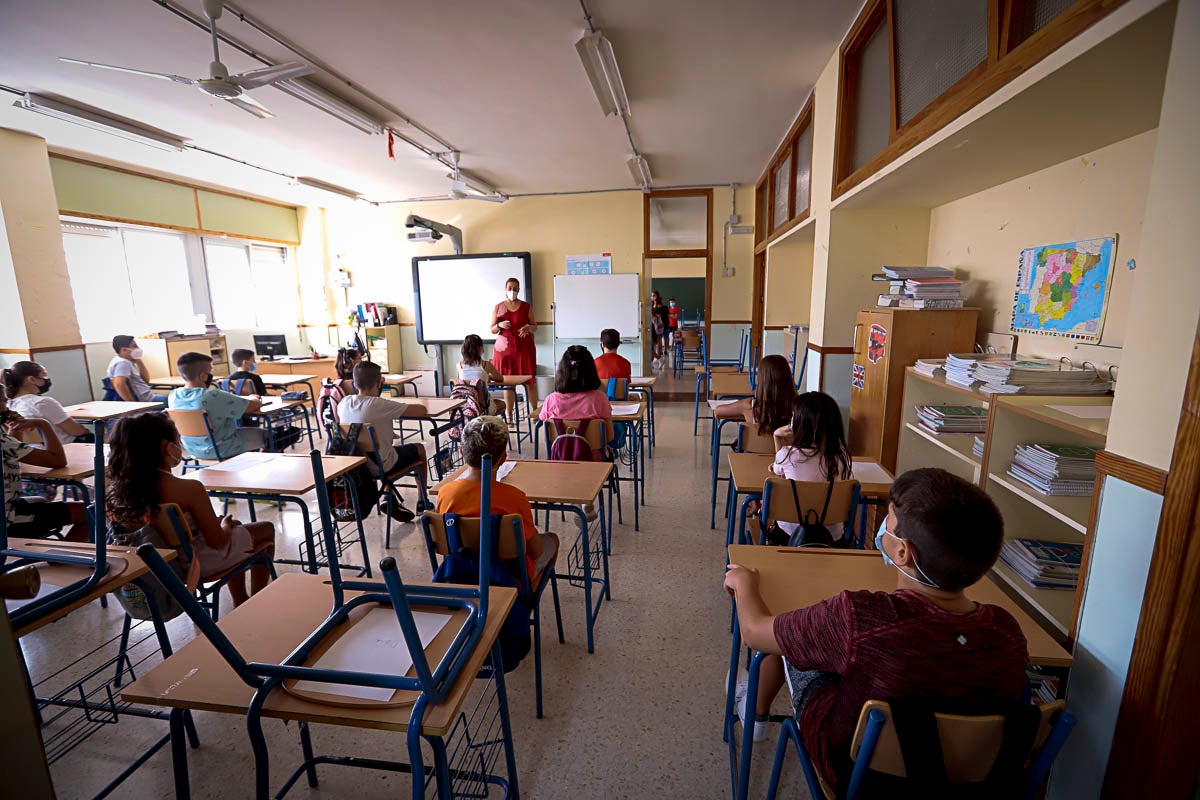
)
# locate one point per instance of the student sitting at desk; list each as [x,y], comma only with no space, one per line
[815,450]
[29,516]
[577,392]
[27,384]
[474,368]
[127,373]
[347,359]
[609,364]
[144,450]
[489,436]
[224,410]
[246,366]
[368,408]
[771,405]
[924,640]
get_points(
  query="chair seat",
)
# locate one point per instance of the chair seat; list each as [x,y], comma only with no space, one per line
[262,547]
[546,559]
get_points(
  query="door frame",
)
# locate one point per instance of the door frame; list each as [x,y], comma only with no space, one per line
[706,252]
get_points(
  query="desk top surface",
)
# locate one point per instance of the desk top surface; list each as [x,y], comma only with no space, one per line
[272,624]
[571,482]
[399,379]
[511,380]
[643,381]
[166,381]
[639,414]
[108,409]
[285,378]
[751,470]
[273,405]
[434,406]
[124,566]
[271,473]
[729,383]
[796,577]
[81,460]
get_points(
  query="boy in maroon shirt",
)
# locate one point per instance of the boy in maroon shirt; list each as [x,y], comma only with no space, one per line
[926,639]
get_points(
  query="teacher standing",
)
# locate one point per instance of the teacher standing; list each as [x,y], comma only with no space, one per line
[514,352]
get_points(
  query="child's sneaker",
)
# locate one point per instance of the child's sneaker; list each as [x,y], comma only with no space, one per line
[760,722]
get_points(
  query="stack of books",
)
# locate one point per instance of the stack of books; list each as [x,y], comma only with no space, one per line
[1042,564]
[1024,375]
[977,447]
[952,419]
[1044,686]
[919,287]
[930,367]
[1055,469]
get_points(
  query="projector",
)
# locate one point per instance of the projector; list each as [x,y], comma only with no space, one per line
[424,235]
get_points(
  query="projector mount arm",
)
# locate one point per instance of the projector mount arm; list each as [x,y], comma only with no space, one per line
[430,231]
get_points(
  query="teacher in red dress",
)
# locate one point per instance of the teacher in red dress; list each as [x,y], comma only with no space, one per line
[514,352]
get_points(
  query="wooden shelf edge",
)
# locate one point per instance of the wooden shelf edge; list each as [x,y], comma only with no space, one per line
[943,384]
[1041,501]
[1040,600]
[930,437]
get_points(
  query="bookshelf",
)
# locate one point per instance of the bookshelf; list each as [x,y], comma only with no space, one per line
[383,344]
[213,345]
[1012,420]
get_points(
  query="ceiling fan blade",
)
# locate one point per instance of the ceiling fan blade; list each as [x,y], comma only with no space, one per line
[268,75]
[160,75]
[247,103]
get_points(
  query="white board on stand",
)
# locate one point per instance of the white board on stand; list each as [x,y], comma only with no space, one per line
[584,305]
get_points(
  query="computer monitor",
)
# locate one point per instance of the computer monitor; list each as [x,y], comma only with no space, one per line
[269,345]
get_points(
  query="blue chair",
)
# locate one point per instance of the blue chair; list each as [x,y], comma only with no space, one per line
[110,394]
[368,445]
[508,546]
[708,367]
[969,745]
[195,422]
[779,504]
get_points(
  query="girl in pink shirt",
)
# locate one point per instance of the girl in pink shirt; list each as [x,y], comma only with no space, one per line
[576,392]
[813,447]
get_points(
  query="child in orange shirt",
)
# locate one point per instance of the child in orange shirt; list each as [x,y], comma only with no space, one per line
[482,436]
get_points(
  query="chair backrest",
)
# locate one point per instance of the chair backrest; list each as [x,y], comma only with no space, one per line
[242,386]
[780,506]
[510,542]
[32,436]
[617,388]
[110,393]
[691,339]
[598,434]
[174,527]
[367,444]
[970,744]
[751,441]
[191,422]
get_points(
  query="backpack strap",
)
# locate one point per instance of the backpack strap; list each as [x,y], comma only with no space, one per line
[828,495]
[559,428]
[611,390]
[920,744]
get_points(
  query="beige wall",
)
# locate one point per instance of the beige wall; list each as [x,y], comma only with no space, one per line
[1165,301]
[732,296]
[30,211]
[678,268]
[824,126]
[1101,193]
[788,290]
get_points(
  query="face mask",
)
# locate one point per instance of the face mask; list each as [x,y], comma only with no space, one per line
[254,367]
[512,294]
[174,455]
[672,305]
[208,381]
[923,579]
[136,353]
[45,387]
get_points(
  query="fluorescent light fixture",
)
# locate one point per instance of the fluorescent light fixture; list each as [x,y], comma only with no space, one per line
[329,187]
[474,184]
[99,121]
[334,106]
[639,168]
[596,53]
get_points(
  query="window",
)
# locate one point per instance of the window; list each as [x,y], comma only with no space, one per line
[251,285]
[126,280]
[782,183]
[872,100]
[803,169]
[937,44]
[782,194]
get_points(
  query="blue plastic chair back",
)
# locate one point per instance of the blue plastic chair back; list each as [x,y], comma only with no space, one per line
[110,394]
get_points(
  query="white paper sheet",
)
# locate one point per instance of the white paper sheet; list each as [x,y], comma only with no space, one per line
[715,404]
[246,461]
[1085,412]
[625,409]
[374,644]
[505,468]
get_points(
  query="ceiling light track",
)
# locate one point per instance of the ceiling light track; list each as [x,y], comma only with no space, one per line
[99,121]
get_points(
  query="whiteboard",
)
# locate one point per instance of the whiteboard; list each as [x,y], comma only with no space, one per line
[455,295]
[584,305]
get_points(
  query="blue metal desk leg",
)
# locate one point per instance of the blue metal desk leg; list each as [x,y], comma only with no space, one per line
[714,447]
[605,543]
[510,755]
[587,579]
[641,432]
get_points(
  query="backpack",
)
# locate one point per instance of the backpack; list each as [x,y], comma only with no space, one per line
[131,596]
[812,531]
[327,402]
[461,566]
[472,408]
[571,445]
[358,480]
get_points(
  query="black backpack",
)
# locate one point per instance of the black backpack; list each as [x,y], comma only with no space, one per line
[358,480]
[812,531]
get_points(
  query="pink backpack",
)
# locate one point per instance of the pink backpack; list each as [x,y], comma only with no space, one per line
[471,408]
[327,403]
[571,444]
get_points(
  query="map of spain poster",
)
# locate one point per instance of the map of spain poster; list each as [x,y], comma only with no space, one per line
[1062,289]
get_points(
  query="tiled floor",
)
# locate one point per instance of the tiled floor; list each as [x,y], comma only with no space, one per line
[640,718]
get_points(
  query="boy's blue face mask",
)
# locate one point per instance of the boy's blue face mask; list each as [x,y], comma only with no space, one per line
[254,367]
[923,579]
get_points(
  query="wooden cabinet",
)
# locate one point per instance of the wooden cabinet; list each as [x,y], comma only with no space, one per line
[210,345]
[383,344]
[886,341]
[321,367]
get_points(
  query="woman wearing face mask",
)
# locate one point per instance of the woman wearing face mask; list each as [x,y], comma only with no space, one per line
[27,384]
[514,352]
[144,450]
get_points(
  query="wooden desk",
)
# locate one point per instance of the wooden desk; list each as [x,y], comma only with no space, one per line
[645,385]
[81,463]
[398,383]
[282,477]
[749,471]
[434,407]
[272,406]
[643,381]
[311,367]
[795,577]
[566,485]
[271,625]
[108,409]
[508,381]
[168,382]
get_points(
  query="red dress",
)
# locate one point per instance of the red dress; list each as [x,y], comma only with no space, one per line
[513,354]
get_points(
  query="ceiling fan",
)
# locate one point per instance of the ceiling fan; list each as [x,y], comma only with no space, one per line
[465,189]
[219,83]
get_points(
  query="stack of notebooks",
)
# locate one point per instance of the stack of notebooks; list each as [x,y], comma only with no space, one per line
[931,367]
[1044,687]
[952,419]
[961,367]
[1055,469]
[977,448]
[1024,375]
[919,287]
[1042,564]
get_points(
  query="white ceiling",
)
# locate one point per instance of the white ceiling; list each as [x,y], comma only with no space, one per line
[713,86]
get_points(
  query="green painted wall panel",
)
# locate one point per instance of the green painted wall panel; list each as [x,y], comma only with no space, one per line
[86,189]
[244,217]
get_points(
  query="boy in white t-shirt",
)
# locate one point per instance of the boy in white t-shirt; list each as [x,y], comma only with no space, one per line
[128,375]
